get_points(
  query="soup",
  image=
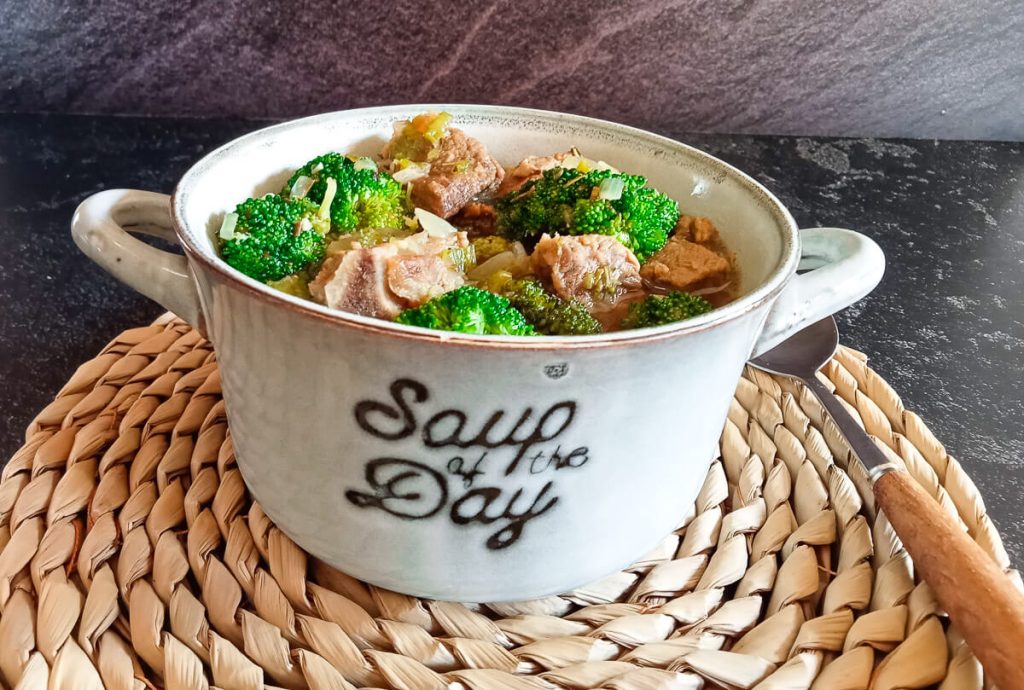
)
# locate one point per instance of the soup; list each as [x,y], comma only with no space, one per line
[436,233]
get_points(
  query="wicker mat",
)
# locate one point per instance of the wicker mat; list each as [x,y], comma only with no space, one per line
[133,557]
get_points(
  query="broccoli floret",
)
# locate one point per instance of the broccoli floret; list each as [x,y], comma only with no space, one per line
[296,284]
[548,314]
[468,310]
[363,197]
[657,310]
[488,246]
[604,202]
[274,237]
[371,237]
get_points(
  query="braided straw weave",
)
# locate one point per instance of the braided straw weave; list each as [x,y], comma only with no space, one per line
[132,557]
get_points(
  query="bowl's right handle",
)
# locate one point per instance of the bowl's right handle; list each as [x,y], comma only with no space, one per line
[841,267]
[99,229]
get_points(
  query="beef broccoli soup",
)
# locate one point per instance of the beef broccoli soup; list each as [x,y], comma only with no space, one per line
[437,233]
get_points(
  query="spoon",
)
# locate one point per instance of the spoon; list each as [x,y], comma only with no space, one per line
[981,600]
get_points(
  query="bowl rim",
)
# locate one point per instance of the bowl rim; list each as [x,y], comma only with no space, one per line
[776,281]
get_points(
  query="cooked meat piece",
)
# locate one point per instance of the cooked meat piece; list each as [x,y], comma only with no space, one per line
[327,269]
[704,231]
[384,280]
[417,278]
[685,265]
[425,243]
[476,218]
[530,168]
[697,229]
[598,270]
[355,281]
[461,170]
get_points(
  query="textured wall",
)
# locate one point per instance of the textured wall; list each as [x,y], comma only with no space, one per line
[942,68]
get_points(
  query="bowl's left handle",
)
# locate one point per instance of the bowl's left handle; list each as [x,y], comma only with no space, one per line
[101,227]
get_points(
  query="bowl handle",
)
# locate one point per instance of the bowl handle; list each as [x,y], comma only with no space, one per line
[841,267]
[100,228]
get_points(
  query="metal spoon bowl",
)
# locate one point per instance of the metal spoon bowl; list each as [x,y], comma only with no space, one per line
[803,353]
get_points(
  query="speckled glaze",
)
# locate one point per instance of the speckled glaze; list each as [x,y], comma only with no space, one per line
[474,467]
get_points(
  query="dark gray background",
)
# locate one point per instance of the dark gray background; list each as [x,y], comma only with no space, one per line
[936,69]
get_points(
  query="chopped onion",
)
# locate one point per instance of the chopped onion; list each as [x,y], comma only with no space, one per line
[342,244]
[576,161]
[305,225]
[318,167]
[409,174]
[435,226]
[571,162]
[325,207]
[512,261]
[610,188]
[227,228]
[301,187]
[365,163]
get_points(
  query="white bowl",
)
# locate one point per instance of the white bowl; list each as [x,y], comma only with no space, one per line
[463,467]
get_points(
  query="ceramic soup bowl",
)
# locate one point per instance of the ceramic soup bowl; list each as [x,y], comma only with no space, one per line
[463,467]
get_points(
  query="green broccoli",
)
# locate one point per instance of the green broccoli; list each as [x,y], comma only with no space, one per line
[658,310]
[296,285]
[372,236]
[468,310]
[273,237]
[361,196]
[489,245]
[548,314]
[605,202]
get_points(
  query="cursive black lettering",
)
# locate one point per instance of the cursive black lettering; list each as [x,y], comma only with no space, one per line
[510,533]
[577,458]
[473,507]
[540,462]
[402,411]
[413,490]
[402,488]
[482,438]
[461,468]
[437,424]
[539,434]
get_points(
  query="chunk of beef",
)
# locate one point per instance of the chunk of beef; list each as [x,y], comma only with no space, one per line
[462,169]
[530,168]
[356,281]
[685,265]
[417,278]
[476,218]
[697,229]
[383,281]
[598,270]
[327,270]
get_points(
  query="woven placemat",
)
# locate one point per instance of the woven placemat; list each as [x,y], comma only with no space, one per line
[133,557]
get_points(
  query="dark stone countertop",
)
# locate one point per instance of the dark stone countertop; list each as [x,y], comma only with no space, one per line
[945,327]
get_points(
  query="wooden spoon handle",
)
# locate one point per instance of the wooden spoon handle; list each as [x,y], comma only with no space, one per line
[980,599]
